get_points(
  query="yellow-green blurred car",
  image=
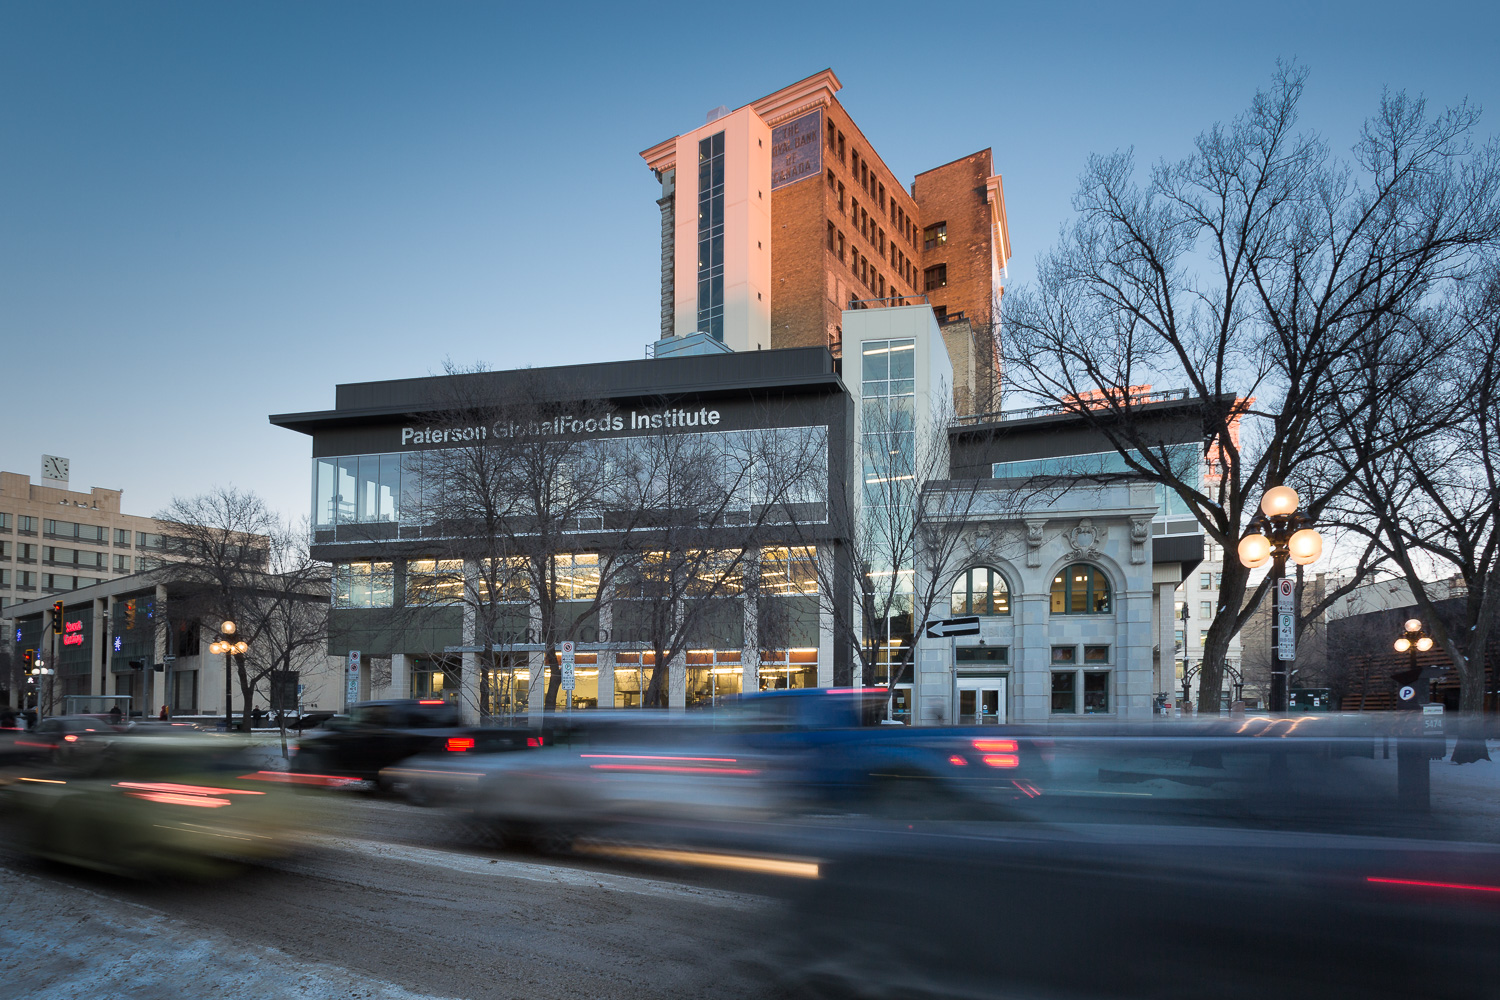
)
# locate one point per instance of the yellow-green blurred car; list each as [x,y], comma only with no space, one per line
[184,804]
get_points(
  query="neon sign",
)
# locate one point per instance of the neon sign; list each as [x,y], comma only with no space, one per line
[73,626]
[73,633]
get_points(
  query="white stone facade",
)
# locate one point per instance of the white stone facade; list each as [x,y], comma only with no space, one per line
[1030,539]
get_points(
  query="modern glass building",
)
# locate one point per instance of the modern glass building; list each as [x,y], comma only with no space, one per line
[734,595]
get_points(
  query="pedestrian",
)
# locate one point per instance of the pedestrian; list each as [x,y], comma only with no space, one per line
[162,715]
[29,717]
[7,717]
[258,717]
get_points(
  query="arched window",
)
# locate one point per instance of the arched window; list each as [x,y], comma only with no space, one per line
[981,591]
[1080,589]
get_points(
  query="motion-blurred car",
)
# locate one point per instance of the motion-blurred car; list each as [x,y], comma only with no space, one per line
[375,735]
[170,803]
[54,738]
[609,773]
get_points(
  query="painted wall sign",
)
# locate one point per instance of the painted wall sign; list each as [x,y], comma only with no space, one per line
[797,150]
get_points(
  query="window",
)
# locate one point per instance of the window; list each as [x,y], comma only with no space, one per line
[363,584]
[981,591]
[5,524]
[27,552]
[940,313]
[144,540]
[831,181]
[122,537]
[832,133]
[1203,637]
[1064,654]
[841,196]
[6,550]
[982,654]
[832,237]
[789,571]
[841,246]
[1205,581]
[122,564]
[1080,589]
[935,277]
[26,524]
[711,235]
[841,147]
[934,235]
[1205,609]
[1095,654]
[1095,692]
[434,581]
[577,576]
[1064,692]
[26,580]
[4,578]
[1218,580]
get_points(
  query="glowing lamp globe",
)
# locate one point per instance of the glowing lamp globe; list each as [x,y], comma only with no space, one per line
[1305,546]
[1279,501]
[1424,644]
[1255,550]
[227,628]
[241,646]
[1403,644]
[215,648]
[1412,625]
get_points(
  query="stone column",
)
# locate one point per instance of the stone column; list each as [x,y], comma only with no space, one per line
[1165,677]
[160,646]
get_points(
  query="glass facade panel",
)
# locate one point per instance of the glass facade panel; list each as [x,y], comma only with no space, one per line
[711,235]
[434,581]
[764,466]
[1185,461]
[364,584]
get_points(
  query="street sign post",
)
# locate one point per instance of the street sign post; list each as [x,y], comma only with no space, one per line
[944,628]
[351,680]
[1286,622]
[565,656]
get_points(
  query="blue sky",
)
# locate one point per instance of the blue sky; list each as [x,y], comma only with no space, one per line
[210,212]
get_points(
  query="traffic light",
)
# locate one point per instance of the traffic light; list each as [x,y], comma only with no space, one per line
[29,659]
[57,618]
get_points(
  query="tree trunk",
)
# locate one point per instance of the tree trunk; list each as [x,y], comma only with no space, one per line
[655,694]
[247,692]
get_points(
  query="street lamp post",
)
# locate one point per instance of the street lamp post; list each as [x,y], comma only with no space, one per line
[1276,534]
[41,674]
[1413,640]
[229,646]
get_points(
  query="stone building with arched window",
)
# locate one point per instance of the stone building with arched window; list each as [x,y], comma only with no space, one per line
[1062,583]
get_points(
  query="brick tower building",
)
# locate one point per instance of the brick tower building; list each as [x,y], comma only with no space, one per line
[780,215]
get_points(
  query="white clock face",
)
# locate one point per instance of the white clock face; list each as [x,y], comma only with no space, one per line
[54,467]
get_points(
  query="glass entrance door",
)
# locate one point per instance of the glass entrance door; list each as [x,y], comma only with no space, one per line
[981,701]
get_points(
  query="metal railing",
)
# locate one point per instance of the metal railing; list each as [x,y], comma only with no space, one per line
[1133,399]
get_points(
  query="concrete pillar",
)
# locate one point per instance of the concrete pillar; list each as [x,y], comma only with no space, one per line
[1164,605]
[104,640]
[400,676]
[750,649]
[606,659]
[677,683]
[1031,653]
[468,697]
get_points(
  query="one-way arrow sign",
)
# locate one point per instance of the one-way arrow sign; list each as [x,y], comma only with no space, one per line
[946,627]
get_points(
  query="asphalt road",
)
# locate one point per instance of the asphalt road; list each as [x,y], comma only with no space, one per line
[383,903]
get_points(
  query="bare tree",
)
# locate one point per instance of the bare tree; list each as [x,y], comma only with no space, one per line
[528,485]
[1263,275]
[242,564]
[1434,503]
[702,507]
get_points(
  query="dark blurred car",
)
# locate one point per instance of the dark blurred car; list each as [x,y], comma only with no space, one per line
[54,738]
[377,734]
[147,803]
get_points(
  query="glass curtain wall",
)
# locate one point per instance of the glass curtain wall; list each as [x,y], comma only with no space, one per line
[888,452]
